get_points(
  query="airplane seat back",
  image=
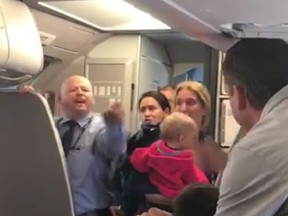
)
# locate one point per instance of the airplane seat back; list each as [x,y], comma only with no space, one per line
[283,210]
[33,179]
[21,54]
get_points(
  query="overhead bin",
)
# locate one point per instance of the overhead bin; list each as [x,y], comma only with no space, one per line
[21,55]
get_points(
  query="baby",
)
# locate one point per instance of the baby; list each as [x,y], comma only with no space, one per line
[169,162]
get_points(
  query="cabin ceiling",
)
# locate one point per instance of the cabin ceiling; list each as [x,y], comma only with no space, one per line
[216,13]
[66,40]
[66,36]
[70,39]
[103,15]
[106,15]
[203,19]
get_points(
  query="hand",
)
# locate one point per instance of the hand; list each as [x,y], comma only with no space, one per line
[156,212]
[116,112]
[115,210]
[212,156]
[25,88]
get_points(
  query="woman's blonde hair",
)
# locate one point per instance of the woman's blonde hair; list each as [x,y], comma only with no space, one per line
[203,95]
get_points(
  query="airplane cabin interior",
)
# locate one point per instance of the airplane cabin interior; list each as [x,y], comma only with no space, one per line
[124,48]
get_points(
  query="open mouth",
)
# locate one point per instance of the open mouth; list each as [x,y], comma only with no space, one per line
[80,101]
[147,120]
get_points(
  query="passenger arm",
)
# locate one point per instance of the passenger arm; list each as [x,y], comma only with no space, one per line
[25,88]
[249,186]
[209,156]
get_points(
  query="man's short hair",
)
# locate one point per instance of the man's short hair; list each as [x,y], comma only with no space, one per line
[167,87]
[176,124]
[196,199]
[260,66]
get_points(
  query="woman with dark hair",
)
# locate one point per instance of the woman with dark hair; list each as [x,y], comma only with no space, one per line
[153,108]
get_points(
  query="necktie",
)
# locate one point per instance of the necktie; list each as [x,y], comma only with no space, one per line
[68,136]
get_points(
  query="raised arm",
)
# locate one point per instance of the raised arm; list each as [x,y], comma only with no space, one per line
[112,134]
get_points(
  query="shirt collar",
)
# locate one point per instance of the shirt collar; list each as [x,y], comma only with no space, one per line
[275,100]
[82,122]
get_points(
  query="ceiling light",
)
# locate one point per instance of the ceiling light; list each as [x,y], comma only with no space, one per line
[106,15]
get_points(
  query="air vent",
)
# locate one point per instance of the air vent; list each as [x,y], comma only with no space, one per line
[253,30]
[48,60]
[46,39]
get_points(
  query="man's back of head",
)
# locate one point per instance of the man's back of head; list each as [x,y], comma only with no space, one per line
[258,65]
[169,92]
[254,71]
[196,199]
[255,178]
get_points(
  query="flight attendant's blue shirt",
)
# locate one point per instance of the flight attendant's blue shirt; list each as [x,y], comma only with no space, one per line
[96,143]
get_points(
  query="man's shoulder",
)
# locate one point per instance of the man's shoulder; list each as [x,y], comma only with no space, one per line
[267,136]
[247,178]
[97,122]
[263,150]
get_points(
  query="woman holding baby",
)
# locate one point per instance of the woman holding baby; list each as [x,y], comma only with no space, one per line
[193,100]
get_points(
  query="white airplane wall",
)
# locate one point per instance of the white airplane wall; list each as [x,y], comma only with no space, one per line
[229,127]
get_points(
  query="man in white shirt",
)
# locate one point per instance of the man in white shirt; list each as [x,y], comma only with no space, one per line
[255,180]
